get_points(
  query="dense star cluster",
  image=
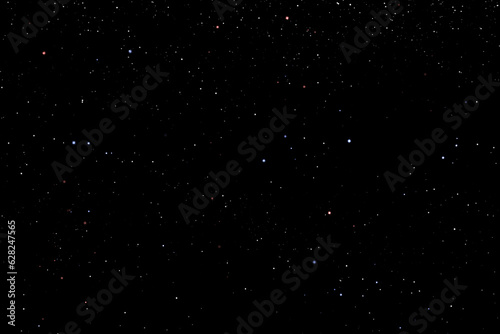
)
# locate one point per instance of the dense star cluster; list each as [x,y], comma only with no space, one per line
[249,166]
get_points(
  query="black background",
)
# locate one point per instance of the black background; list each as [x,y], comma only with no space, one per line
[225,79]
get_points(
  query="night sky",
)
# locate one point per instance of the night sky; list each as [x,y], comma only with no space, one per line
[323,175]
